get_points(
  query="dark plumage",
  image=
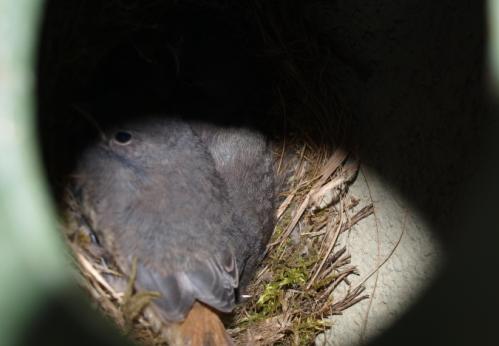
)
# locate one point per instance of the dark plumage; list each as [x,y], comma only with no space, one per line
[244,160]
[195,213]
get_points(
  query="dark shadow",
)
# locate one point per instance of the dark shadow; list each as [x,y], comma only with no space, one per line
[191,60]
[426,126]
[66,319]
[421,116]
[417,100]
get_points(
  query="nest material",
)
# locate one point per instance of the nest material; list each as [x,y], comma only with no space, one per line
[296,289]
[305,276]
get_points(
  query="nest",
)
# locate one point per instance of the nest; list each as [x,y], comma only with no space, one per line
[305,277]
[296,290]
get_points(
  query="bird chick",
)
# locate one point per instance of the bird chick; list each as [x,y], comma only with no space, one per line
[243,158]
[153,194]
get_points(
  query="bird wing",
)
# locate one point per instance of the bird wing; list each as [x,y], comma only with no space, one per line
[208,281]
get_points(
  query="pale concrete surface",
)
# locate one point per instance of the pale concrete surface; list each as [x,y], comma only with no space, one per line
[409,270]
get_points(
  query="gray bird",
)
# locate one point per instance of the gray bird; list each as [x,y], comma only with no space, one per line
[195,209]
[243,158]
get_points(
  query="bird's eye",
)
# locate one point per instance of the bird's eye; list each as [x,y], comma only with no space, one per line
[123,137]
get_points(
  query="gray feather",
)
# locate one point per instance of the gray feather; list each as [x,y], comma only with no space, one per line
[161,200]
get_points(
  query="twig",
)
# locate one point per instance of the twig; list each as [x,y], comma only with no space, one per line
[330,248]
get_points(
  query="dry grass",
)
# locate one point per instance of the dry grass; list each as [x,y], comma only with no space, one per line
[294,292]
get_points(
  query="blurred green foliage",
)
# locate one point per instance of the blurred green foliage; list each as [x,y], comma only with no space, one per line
[493,44]
[31,256]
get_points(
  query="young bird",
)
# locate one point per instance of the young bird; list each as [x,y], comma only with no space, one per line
[188,210]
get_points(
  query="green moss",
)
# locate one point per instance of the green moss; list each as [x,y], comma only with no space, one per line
[307,329]
[282,303]
[324,282]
